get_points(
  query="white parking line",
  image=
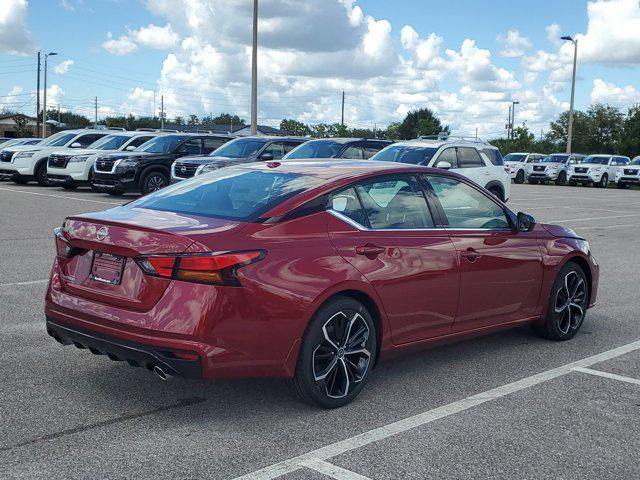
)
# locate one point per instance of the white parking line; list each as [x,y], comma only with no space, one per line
[18,284]
[613,376]
[324,453]
[592,218]
[604,227]
[333,471]
[59,196]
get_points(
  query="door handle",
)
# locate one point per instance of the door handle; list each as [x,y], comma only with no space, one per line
[470,254]
[369,250]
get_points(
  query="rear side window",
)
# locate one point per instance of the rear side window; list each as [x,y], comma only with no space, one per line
[395,204]
[231,193]
[495,157]
[191,147]
[136,142]
[469,158]
[210,144]
[448,155]
[353,152]
[86,140]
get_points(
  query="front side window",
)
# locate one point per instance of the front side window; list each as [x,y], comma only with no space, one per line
[192,146]
[465,207]
[86,140]
[469,158]
[276,149]
[413,154]
[494,156]
[395,204]
[353,153]
[210,144]
[137,141]
[448,155]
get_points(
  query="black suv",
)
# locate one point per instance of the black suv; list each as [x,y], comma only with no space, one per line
[356,148]
[240,150]
[148,167]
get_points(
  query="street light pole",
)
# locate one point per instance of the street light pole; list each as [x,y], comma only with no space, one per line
[513,116]
[573,89]
[254,72]
[44,102]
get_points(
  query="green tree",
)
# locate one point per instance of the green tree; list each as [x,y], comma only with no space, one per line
[70,119]
[607,125]
[393,131]
[21,129]
[223,119]
[178,120]
[193,120]
[629,144]
[420,122]
[582,128]
[295,127]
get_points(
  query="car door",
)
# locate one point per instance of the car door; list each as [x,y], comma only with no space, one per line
[501,268]
[384,228]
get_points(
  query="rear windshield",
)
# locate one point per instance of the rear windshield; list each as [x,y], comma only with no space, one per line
[405,154]
[316,149]
[230,193]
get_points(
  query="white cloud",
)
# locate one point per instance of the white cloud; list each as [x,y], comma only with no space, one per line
[553,33]
[67,6]
[55,93]
[153,36]
[612,36]
[120,46]
[610,94]
[63,67]
[515,45]
[15,37]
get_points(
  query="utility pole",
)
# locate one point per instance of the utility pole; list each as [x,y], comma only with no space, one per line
[58,114]
[44,103]
[513,116]
[95,121]
[154,104]
[573,89]
[509,124]
[342,120]
[38,98]
[161,112]
[254,72]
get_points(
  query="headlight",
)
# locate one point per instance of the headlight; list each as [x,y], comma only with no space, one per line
[552,169]
[126,162]
[199,169]
[206,169]
[24,155]
[78,159]
[597,169]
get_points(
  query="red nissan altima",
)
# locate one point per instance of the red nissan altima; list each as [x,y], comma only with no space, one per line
[309,270]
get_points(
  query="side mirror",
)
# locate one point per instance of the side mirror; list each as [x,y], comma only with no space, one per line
[130,148]
[76,145]
[526,222]
[443,165]
[267,157]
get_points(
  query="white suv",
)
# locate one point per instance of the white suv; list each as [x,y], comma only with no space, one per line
[517,164]
[628,174]
[596,170]
[474,159]
[26,163]
[71,167]
[552,168]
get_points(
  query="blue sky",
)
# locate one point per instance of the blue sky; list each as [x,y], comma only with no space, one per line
[389,57]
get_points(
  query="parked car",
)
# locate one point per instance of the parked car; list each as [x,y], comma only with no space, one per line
[148,167]
[309,270]
[517,164]
[242,150]
[29,162]
[186,167]
[4,139]
[628,174]
[70,168]
[470,158]
[356,148]
[15,142]
[596,170]
[552,168]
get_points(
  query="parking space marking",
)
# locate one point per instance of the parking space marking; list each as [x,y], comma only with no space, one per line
[604,227]
[333,471]
[613,376]
[324,453]
[59,196]
[592,218]
[19,284]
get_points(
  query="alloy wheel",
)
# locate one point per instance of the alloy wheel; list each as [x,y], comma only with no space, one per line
[570,301]
[343,356]
[156,182]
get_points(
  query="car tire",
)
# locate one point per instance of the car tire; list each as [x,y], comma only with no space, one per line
[604,181]
[337,354]
[519,177]
[153,181]
[567,306]
[562,179]
[40,175]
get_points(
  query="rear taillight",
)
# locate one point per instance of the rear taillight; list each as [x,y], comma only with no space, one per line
[63,247]
[210,268]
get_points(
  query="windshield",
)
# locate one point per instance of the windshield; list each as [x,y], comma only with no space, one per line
[163,144]
[239,148]
[58,140]
[405,154]
[110,142]
[231,193]
[315,149]
[635,161]
[515,157]
[596,160]
[20,141]
[556,159]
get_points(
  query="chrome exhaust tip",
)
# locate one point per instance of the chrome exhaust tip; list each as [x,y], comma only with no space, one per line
[164,376]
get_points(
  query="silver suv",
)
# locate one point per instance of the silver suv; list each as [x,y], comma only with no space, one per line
[552,168]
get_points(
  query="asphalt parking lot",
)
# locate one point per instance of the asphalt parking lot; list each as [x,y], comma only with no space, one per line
[508,405]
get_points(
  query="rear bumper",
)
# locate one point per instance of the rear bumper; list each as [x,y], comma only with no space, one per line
[135,354]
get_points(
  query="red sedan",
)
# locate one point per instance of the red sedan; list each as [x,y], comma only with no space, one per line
[311,271]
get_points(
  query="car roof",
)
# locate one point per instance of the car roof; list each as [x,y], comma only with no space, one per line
[351,139]
[426,142]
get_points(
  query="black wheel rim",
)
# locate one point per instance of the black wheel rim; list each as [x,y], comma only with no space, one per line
[342,358]
[155,182]
[570,304]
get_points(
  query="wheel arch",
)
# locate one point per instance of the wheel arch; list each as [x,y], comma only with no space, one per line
[152,168]
[496,184]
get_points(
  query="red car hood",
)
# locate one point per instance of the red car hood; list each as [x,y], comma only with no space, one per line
[560,231]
